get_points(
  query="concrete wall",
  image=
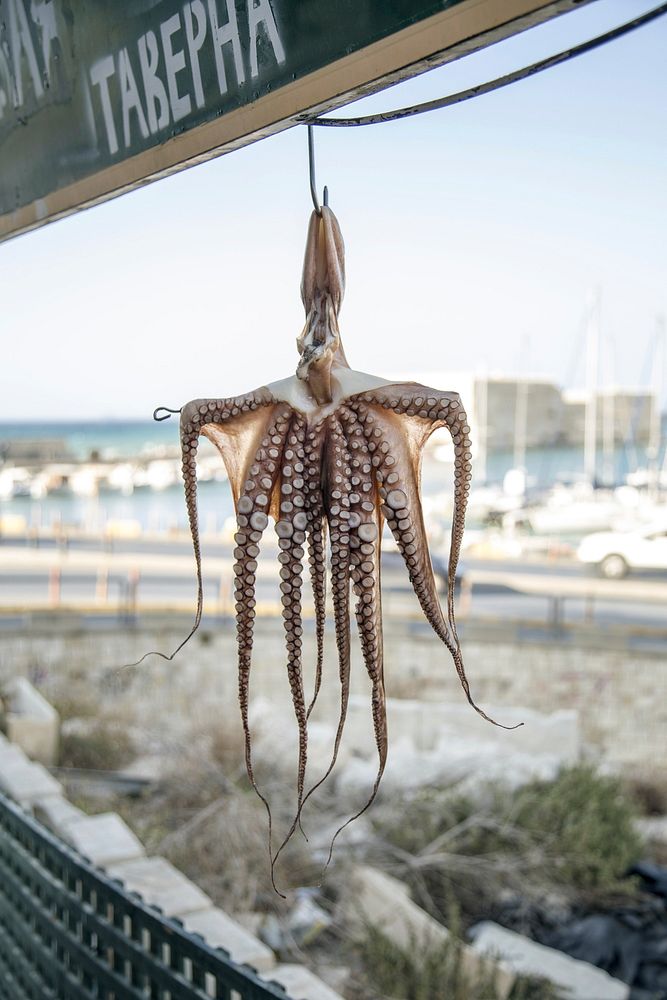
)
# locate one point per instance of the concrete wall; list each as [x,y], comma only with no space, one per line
[621,698]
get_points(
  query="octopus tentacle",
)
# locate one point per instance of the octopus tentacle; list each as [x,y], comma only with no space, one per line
[337,465]
[252,518]
[361,522]
[203,416]
[291,533]
[316,543]
[337,512]
[365,521]
[197,417]
[457,422]
[365,524]
[399,490]
[398,486]
[189,446]
[291,529]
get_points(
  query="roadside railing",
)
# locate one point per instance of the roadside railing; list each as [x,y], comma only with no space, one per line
[67,932]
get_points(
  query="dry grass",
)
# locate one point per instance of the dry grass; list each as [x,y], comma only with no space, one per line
[106,747]
[207,820]
[649,792]
[91,737]
[574,834]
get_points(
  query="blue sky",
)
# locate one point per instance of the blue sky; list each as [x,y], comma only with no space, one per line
[473,234]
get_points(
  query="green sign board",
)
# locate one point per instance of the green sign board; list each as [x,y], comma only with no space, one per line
[99,96]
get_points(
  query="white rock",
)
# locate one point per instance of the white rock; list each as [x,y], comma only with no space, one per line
[10,755]
[267,720]
[438,745]
[57,813]
[578,980]
[149,766]
[357,834]
[301,984]
[26,782]
[452,763]
[161,885]
[653,828]
[307,919]
[428,725]
[32,723]
[220,931]
[104,839]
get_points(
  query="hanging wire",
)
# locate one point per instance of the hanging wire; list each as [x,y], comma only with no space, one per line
[311,170]
[487,88]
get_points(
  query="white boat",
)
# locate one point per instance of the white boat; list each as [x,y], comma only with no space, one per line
[158,475]
[121,477]
[84,482]
[14,482]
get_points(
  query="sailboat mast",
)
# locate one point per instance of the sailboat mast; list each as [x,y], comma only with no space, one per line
[592,363]
[482,399]
[655,428]
[608,419]
[520,423]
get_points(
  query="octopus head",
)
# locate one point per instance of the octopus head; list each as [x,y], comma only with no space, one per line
[322,289]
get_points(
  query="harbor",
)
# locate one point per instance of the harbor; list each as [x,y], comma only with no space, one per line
[546,471]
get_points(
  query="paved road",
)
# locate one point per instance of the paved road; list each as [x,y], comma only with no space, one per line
[88,573]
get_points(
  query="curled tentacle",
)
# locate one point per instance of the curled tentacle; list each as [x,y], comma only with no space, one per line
[201,416]
[399,478]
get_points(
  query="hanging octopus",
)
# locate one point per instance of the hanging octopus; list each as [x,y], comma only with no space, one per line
[329,451]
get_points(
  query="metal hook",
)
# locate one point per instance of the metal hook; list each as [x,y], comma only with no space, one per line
[167,413]
[311,170]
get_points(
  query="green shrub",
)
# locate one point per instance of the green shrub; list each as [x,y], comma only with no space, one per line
[584,823]
[575,833]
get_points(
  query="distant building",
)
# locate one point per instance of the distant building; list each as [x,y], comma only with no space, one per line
[537,413]
[528,408]
[26,451]
[620,415]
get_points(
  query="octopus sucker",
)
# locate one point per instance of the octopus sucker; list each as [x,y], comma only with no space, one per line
[329,452]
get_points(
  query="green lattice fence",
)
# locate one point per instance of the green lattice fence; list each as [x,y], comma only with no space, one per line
[67,932]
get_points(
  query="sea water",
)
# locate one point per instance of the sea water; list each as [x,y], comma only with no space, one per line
[164,510]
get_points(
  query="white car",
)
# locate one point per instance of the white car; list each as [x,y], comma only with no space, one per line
[615,553]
